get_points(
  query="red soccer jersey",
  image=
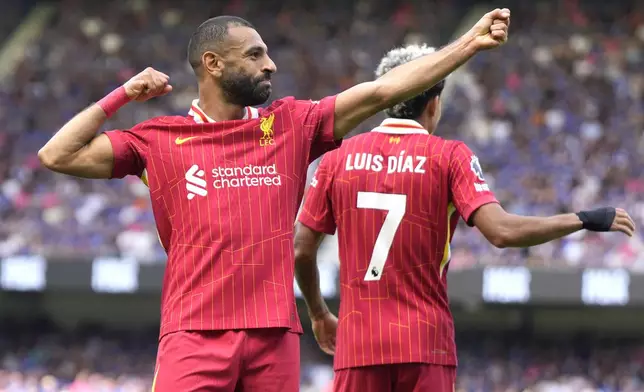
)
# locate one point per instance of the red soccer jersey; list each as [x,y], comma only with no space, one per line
[395,196]
[225,196]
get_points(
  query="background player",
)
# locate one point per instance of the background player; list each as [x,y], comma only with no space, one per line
[225,185]
[395,196]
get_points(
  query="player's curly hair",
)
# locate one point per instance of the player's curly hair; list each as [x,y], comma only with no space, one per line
[412,108]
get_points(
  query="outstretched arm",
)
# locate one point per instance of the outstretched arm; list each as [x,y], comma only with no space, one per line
[476,203]
[505,230]
[77,150]
[360,102]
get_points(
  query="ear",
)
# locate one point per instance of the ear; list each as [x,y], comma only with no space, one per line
[432,107]
[212,63]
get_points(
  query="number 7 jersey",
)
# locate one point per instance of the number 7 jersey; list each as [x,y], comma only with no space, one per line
[395,196]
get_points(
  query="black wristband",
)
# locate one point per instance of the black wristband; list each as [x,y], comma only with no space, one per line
[600,219]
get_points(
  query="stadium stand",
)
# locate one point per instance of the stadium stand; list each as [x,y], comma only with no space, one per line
[557,117]
[97,360]
[88,51]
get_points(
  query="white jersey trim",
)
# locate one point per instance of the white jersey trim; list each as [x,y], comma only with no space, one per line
[399,126]
[201,117]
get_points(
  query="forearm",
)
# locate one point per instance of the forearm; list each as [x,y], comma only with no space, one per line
[525,231]
[308,279]
[410,79]
[73,136]
[406,81]
[76,149]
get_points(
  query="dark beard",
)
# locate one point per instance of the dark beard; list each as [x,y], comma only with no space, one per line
[243,90]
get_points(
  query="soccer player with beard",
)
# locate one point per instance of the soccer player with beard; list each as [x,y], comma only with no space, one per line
[226,183]
[395,195]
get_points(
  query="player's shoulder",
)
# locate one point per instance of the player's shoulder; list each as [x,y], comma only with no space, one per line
[278,104]
[443,151]
[290,103]
[445,146]
[430,140]
[291,100]
[457,152]
[458,148]
[164,122]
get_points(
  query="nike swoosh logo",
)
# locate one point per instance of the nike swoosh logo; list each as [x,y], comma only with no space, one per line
[179,141]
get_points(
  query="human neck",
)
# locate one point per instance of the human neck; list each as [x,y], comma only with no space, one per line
[426,123]
[214,105]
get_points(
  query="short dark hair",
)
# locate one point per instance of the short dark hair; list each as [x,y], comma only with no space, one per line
[209,34]
[412,108]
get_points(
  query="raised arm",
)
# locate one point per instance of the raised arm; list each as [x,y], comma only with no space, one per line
[364,100]
[77,150]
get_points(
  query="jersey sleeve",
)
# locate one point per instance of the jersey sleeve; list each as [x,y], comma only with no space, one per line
[317,212]
[318,119]
[130,148]
[468,188]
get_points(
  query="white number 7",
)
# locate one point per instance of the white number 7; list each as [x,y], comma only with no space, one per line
[395,205]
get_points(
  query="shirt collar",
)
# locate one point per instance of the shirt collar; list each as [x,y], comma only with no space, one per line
[400,127]
[201,117]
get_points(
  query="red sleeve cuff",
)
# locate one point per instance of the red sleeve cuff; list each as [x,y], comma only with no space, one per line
[121,151]
[325,139]
[314,225]
[475,205]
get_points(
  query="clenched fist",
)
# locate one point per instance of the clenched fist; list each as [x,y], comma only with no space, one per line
[492,30]
[148,84]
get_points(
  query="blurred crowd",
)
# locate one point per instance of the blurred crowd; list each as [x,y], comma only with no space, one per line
[557,119]
[556,115]
[97,360]
[321,47]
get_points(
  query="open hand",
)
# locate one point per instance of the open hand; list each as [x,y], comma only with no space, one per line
[623,222]
[324,329]
[492,30]
[147,85]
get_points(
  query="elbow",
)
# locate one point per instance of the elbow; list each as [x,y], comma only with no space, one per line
[305,246]
[301,255]
[502,238]
[52,160]
[496,225]
[48,159]
[305,258]
[499,241]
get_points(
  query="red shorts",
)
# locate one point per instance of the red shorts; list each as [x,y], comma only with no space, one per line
[253,360]
[403,377]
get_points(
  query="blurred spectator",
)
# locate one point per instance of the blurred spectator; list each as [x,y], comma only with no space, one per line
[110,361]
[321,47]
[556,115]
